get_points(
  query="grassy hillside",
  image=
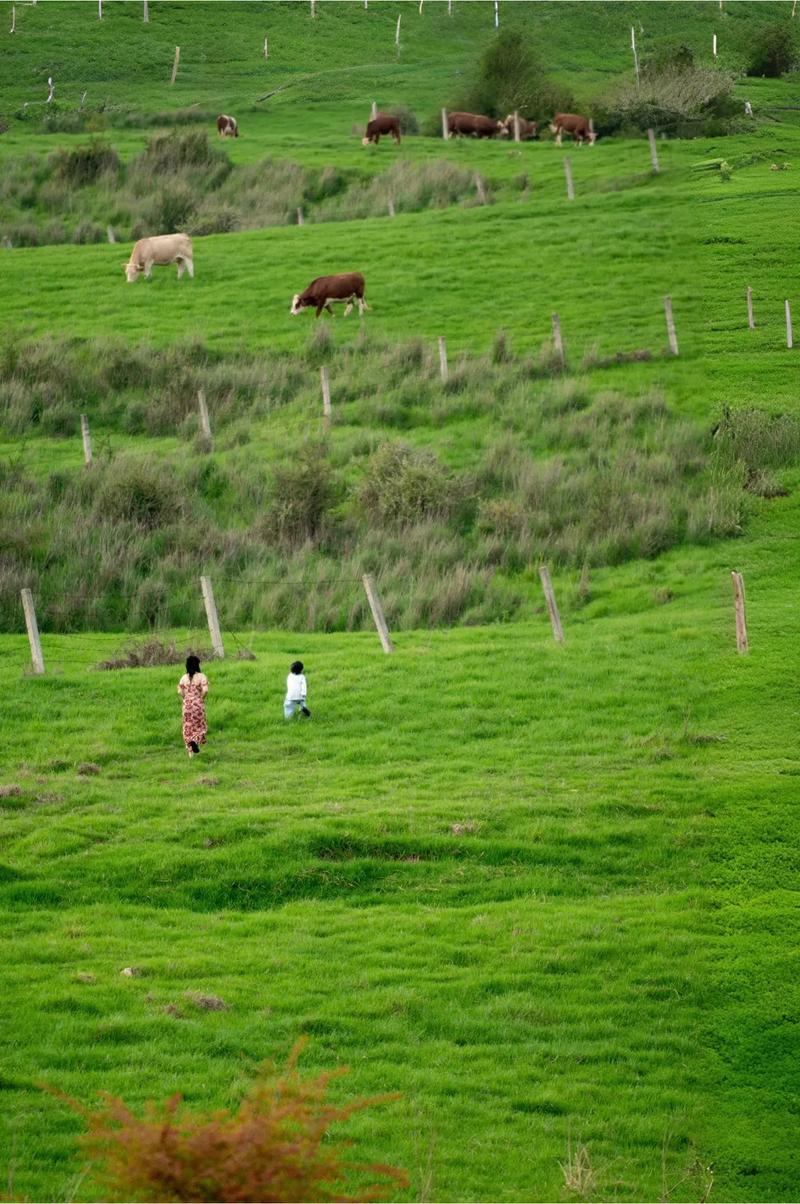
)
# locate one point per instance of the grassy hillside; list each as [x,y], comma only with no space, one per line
[543,892]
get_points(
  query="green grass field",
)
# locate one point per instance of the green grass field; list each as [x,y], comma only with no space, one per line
[546,893]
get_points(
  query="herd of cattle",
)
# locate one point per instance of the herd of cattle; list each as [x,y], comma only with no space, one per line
[164,249]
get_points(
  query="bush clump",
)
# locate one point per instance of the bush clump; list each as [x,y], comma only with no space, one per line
[300,498]
[510,77]
[774,51]
[683,102]
[403,487]
[85,164]
[142,492]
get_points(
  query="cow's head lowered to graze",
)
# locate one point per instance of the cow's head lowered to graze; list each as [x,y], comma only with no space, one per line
[298,305]
[132,270]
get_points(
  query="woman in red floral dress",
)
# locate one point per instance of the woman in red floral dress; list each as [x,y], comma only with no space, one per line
[193,688]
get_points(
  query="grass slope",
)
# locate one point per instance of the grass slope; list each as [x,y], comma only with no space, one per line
[544,892]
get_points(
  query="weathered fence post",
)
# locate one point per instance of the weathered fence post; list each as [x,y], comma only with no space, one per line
[313,9]
[550,598]
[87,441]
[397,35]
[635,55]
[110,235]
[450,8]
[374,109]
[671,335]
[377,613]
[789,337]
[13,19]
[99,10]
[714,44]
[557,340]
[443,359]
[444,124]
[391,207]
[146,12]
[496,15]
[568,174]
[37,659]
[327,411]
[51,89]
[750,319]
[175,64]
[211,615]
[266,46]
[300,218]
[738,606]
[651,138]
[480,189]
[516,126]
[205,425]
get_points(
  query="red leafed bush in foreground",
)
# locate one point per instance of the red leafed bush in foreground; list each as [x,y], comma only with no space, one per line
[272,1148]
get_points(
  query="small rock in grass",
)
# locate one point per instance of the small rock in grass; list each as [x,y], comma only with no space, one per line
[131,972]
[207,1003]
[85,976]
[10,791]
[88,768]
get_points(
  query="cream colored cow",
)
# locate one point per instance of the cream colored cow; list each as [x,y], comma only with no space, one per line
[161,250]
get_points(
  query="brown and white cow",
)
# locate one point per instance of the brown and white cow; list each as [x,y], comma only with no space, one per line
[381,123]
[162,249]
[227,127]
[576,125]
[474,125]
[348,287]
[527,129]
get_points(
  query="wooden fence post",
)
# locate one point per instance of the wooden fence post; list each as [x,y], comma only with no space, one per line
[266,46]
[550,598]
[496,15]
[443,359]
[480,189]
[557,340]
[738,606]
[789,336]
[377,613]
[327,412]
[635,55]
[397,35]
[444,124]
[671,335]
[300,218]
[714,44]
[99,10]
[374,109]
[391,207]
[450,8]
[146,12]
[175,64]
[651,138]
[13,19]
[33,631]
[313,9]
[87,441]
[110,235]
[211,615]
[568,174]
[750,319]
[516,126]
[205,425]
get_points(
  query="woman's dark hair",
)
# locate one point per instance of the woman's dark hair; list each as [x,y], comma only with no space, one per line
[192,665]
[297,667]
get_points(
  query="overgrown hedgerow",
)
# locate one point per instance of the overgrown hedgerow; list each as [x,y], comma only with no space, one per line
[556,472]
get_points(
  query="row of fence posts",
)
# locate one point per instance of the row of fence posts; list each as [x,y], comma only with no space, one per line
[378,616]
[327,409]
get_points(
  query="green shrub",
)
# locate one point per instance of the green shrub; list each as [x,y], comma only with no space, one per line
[143,492]
[408,120]
[774,51]
[510,77]
[85,164]
[403,486]
[300,499]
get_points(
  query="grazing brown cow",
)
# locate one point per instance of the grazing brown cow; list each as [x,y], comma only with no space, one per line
[227,127]
[475,126]
[575,124]
[382,123]
[527,129]
[348,287]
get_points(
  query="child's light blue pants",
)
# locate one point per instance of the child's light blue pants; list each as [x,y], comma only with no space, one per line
[292,705]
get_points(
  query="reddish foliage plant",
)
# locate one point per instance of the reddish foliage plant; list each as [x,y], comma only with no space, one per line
[272,1148]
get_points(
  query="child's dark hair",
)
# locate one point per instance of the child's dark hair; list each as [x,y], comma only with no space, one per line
[192,665]
[296,667]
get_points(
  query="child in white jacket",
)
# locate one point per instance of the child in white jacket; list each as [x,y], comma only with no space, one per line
[296,691]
